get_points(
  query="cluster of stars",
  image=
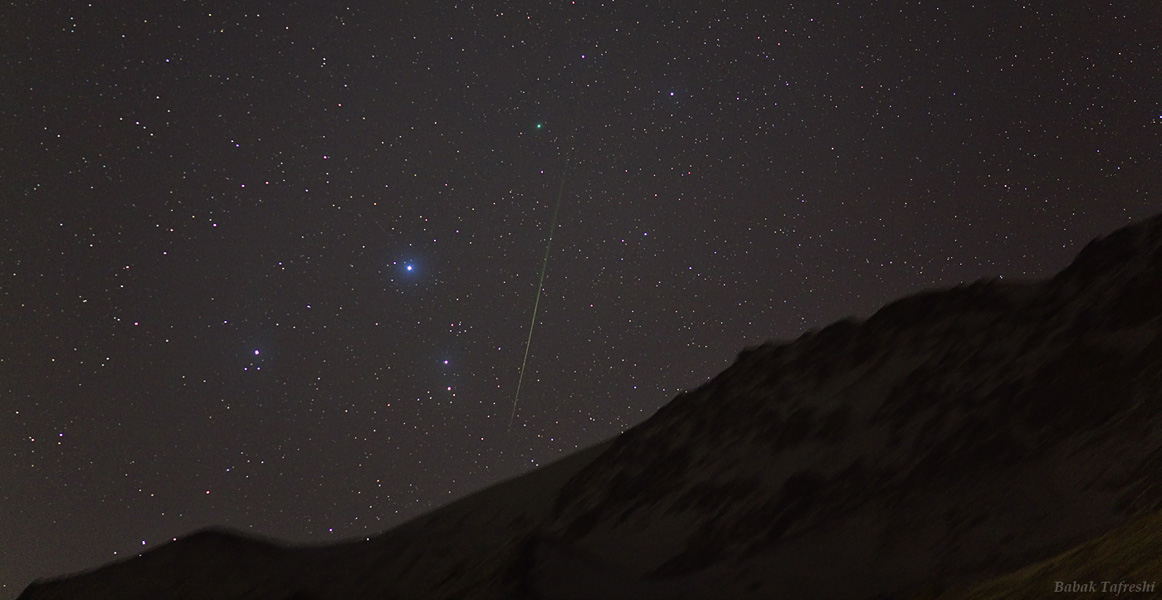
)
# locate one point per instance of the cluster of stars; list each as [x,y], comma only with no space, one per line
[336,226]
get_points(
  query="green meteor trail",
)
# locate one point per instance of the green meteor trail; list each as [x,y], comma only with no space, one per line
[540,286]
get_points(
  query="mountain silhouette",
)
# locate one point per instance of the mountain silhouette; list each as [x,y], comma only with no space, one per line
[950,442]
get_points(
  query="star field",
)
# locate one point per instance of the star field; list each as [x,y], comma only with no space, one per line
[272,267]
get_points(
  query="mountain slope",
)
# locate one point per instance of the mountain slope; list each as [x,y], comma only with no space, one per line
[952,437]
[1131,554]
[954,432]
[471,547]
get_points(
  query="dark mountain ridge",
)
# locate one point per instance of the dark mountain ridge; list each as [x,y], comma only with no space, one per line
[952,436]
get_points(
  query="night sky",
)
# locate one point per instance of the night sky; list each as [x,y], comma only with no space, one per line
[274,267]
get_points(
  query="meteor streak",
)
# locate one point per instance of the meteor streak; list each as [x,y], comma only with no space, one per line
[540,286]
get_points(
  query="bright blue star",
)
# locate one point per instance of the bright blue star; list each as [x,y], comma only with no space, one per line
[407,270]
